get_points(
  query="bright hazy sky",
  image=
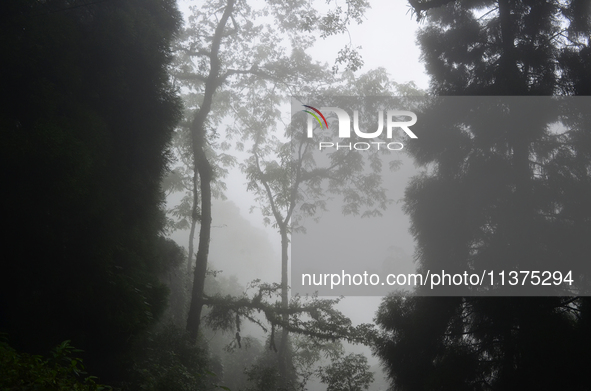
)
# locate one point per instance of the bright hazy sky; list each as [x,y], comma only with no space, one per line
[387,37]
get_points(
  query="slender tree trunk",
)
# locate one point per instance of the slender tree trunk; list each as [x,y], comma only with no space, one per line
[191,240]
[203,167]
[519,135]
[205,173]
[194,219]
[514,84]
[284,360]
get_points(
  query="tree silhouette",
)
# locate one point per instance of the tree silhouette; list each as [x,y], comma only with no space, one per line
[83,150]
[512,195]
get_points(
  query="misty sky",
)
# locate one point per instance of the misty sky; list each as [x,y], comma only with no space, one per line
[397,52]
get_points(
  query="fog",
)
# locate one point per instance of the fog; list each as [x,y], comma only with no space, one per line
[244,247]
[165,182]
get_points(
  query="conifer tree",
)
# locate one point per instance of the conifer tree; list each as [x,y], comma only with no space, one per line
[512,196]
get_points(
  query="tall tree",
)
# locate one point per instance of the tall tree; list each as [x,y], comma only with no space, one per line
[227,52]
[507,196]
[83,150]
[282,171]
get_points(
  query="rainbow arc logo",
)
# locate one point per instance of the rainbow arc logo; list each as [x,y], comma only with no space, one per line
[316,116]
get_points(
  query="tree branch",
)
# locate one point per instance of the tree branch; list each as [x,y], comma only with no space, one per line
[420,6]
[191,52]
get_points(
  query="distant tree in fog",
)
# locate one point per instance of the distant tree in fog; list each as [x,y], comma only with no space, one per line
[226,58]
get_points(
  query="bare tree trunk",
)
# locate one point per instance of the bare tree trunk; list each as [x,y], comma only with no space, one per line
[284,361]
[194,219]
[205,173]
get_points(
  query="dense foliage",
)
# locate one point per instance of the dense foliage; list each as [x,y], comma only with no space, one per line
[22,371]
[497,194]
[87,114]
[168,360]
